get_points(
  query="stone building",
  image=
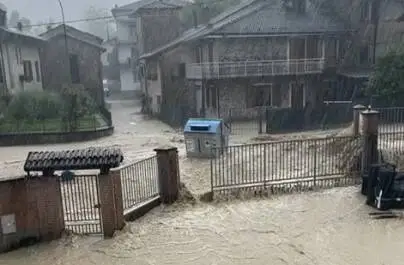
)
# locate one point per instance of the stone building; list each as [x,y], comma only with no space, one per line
[80,63]
[141,27]
[260,53]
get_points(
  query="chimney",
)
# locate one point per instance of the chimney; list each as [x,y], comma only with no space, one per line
[19,26]
[195,18]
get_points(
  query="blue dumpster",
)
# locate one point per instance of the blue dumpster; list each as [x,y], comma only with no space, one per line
[201,135]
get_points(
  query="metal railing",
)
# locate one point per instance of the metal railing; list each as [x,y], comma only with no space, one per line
[391,119]
[81,204]
[292,164]
[139,182]
[213,70]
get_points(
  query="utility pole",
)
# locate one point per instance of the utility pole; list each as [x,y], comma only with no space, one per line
[66,45]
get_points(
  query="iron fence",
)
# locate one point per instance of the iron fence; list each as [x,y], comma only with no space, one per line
[81,205]
[139,182]
[267,119]
[391,119]
[391,146]
[293,164]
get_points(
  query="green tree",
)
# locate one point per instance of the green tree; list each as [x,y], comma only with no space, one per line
[387,80]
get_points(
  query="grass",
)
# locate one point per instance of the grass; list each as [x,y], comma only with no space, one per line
[48,125]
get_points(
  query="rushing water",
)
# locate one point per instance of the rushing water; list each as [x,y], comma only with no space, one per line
[332,227]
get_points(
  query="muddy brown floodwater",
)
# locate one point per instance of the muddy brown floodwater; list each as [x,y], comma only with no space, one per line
[331,227]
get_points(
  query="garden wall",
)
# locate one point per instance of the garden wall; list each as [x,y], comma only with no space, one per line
[53,137]
[30,209]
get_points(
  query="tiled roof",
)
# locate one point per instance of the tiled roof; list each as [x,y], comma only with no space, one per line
[133,7]
[258,16]
[90,158]
[273,18]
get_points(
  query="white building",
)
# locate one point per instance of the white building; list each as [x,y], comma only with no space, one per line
[127,45]
[20,66]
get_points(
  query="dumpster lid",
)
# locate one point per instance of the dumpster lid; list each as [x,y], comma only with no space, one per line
[202,125]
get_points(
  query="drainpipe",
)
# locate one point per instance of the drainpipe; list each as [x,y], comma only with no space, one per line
[375,21]
[3,70]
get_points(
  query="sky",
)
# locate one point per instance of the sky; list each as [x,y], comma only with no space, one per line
[42,10]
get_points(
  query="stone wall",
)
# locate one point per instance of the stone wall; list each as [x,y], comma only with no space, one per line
[55,67]
[243,49]
[234,94]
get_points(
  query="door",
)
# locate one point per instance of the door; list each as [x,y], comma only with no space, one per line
[297,54]
[297,95]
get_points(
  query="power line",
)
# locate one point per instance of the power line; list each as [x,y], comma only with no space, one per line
[68,21]
[82,20]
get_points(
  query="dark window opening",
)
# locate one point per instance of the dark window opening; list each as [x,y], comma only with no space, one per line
[37,72]
[74,69]
[1,73]
[364,55]
[181,70]
[28,74]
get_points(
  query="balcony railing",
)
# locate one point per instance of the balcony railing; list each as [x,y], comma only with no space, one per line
[217,70]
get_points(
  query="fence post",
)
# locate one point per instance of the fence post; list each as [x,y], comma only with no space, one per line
[368,129]
[168,174]
[357,109]
[119,213]
[106,194]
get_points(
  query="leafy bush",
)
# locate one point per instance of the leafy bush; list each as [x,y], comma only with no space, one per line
[387,81]
[32,106]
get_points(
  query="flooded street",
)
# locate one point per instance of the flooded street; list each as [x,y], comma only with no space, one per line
[331,227]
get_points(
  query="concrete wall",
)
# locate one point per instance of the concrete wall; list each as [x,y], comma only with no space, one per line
[55,66]
[14,55]
[37,207]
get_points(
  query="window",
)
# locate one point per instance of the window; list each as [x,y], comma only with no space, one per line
[74,69]
[211,97]
[37,72]
[1,73]
[152,72]
[181,70]
[28,75]
[366,11]
[259,95]
[296,95]
[364,55]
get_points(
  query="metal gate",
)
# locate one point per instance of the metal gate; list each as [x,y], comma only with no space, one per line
[81,205]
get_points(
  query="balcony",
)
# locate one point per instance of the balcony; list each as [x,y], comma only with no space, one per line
[218,70]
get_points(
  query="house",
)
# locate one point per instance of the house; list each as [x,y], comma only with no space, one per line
[259,53]
[72,57]
[20,66]
[110,64]
[141,27]
[378,29]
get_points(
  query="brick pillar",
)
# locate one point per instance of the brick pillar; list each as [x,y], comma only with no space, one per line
[357,109]
[107,202]
[119,217]
[168,174]
[368,128]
